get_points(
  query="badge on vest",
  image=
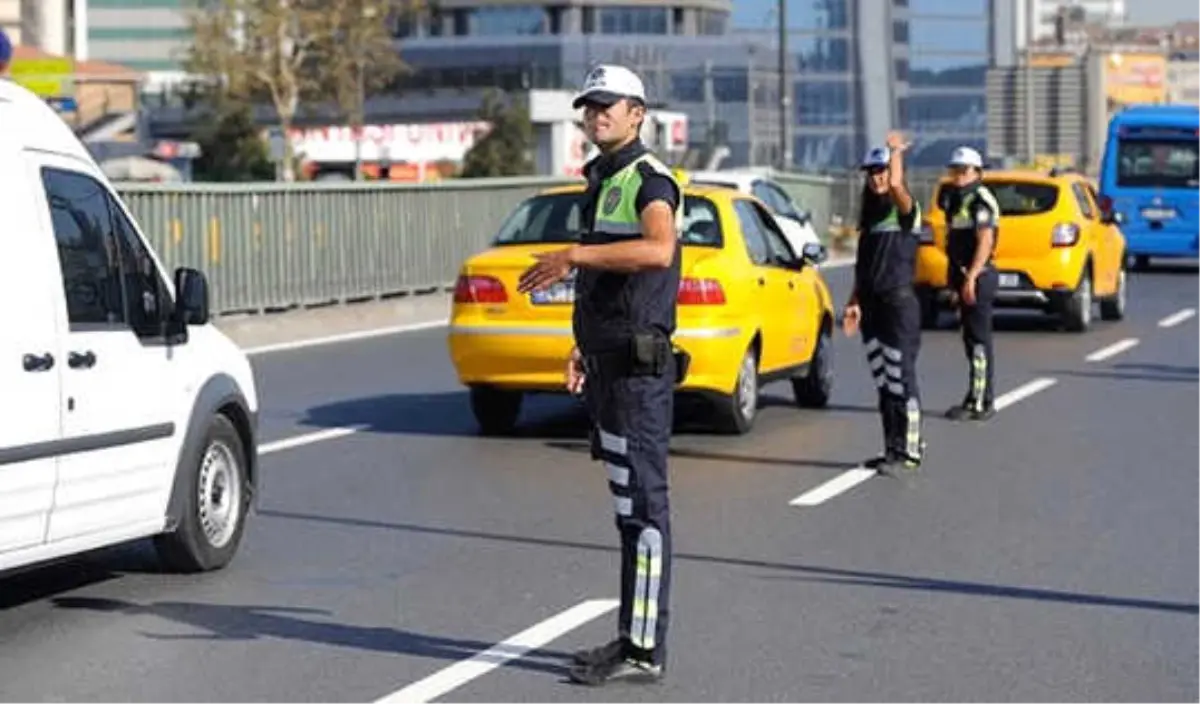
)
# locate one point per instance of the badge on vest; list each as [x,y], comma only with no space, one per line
[612,200]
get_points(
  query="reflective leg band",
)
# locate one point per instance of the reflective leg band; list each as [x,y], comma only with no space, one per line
[913,436]
[645,590]
[978,376]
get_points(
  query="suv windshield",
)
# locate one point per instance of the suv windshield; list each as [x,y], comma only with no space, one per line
[554,218]
[1018,197]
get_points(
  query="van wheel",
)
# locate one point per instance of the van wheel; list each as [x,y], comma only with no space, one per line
[814,389]
[215,503]
[737,411]
[1078,313]
[495,410]
[1113,308]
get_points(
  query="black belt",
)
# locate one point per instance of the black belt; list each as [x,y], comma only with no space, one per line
[643,355]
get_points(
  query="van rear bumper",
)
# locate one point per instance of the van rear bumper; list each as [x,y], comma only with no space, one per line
[1163,243]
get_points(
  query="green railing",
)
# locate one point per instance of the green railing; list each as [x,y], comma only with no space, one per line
[268,246]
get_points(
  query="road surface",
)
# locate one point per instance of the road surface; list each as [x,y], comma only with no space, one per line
[1048,555]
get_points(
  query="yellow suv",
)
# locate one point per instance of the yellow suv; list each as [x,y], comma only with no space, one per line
[1057,250]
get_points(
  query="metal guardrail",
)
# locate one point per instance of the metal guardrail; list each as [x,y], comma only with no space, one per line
[273,246]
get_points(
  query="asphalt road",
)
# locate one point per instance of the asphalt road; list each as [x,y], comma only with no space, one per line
[1049,555]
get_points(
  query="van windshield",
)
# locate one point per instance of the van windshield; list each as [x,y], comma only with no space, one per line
[1157,163]
[555,218]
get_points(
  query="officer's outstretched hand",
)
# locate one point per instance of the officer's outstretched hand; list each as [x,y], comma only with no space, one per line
[550,268]
[851,317]
[575,373]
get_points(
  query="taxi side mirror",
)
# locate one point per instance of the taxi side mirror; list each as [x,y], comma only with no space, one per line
[814,253]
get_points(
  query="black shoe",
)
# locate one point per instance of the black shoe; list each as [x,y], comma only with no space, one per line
[961,412]
[618,669]
[608,651]
[892,464]
[965,412]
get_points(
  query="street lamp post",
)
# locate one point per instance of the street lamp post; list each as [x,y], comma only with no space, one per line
[785,117]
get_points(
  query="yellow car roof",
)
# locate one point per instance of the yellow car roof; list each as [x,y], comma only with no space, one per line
[688,189]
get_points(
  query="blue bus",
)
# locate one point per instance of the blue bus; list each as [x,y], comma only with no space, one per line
[1149,179]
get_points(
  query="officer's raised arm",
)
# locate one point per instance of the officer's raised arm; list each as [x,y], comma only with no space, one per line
[898,189]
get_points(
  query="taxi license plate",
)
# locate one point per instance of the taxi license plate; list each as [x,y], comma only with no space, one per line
[1009,281]
[560,293]
[1158,213]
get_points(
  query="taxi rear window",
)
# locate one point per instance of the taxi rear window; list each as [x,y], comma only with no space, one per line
[1019,197]
[555,218]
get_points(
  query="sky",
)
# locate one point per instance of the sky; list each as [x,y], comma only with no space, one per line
[755,13]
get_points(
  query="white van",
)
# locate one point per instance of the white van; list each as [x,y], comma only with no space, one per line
[124,413]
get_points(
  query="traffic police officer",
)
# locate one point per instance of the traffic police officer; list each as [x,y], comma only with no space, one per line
[884,304]
[628,266]
[973,221]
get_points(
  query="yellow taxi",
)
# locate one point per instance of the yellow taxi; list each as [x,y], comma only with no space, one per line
[1057,251]
[750,310]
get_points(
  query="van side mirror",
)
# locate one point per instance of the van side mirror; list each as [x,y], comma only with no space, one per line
[814,253]
[1112,218]
[191,291]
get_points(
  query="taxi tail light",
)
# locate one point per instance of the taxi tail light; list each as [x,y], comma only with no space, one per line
[926,232]
[479,289]
[1064,234]
[700,292]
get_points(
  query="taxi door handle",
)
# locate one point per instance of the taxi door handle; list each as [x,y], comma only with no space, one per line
[791,284]
[762,281]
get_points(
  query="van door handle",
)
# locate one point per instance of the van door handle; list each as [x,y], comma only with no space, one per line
[81,361]
[791,284]
[38,363]
[762,281]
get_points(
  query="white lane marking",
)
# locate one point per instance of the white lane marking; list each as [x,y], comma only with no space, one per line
[347,337]
[1023,392]
[1176,318]
[843,482]
[853,477]
[1112,350]
[307,439]
[481,663]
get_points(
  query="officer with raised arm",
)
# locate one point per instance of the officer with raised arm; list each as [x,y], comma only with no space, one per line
[972,225]
[628,279]
[884,304]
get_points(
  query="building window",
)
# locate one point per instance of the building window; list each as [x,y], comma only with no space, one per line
[947,71]
[820,54]
[900,31]
[932,36]
[818,14]
[901,68]
[633,20]
[951,8]
[955,114]
[823,103]
[508,21]
[711,22]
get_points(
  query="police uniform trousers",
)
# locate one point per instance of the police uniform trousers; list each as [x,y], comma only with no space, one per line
[632,417]
[977,338]
[891,332]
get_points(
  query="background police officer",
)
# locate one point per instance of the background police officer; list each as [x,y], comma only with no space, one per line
[884,303]
[973,219]
[628,279]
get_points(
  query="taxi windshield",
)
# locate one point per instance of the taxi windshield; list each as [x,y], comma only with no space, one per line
[1020,197]
[555,219]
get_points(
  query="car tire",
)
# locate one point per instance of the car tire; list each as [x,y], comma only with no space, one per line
[736,412]
[215,503]
[814,388]
[496,410]
[1113,307]
[1077,315]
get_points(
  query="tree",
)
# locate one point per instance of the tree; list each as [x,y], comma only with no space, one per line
[504,150]
[231,146]
[361,60]
[295,52]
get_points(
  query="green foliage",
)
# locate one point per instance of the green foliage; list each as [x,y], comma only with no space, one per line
[232,148]
[505,149]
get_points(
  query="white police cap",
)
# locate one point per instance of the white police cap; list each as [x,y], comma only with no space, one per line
[966,156]
[876,157]
[606,84]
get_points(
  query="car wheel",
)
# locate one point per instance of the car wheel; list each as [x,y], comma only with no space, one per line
[1078,313]
[814,389]
[1113,308]
[737,411]
[495,410]
[216,500]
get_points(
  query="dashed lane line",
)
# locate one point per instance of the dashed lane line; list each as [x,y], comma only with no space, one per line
[307,439]
[1112,350]
[532,638]
[853,477]
[1176,318]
